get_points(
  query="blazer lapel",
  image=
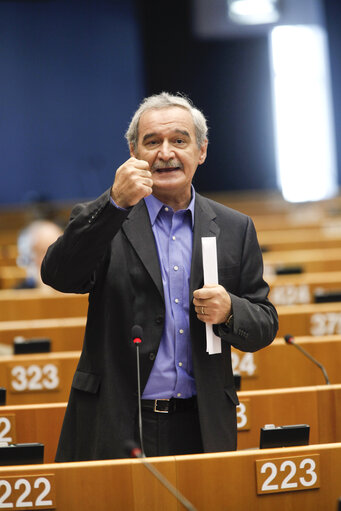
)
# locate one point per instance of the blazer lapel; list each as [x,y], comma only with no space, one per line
[204,225]
[139,232]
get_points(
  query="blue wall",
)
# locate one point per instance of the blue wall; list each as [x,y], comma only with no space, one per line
[71,76]
[74,71]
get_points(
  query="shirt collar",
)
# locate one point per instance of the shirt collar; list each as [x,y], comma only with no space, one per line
[154,206]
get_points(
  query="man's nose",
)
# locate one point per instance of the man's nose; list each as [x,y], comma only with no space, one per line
[165,151]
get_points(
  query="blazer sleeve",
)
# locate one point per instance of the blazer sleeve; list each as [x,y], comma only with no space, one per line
[255,320]
[70,263]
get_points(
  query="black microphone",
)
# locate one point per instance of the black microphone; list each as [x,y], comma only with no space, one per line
[135,452]
[289,339]
[137,334]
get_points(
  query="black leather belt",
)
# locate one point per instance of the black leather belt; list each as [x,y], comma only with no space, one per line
[169,405]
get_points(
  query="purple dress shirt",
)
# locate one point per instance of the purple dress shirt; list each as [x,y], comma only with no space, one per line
[172,373]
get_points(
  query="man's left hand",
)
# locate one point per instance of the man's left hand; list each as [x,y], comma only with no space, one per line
[212,303]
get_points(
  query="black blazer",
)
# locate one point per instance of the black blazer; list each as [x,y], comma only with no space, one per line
[111,254]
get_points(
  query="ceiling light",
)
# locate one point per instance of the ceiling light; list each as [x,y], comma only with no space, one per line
[253,12]
[303,113]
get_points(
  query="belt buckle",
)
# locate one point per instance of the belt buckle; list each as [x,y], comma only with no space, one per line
[155,406]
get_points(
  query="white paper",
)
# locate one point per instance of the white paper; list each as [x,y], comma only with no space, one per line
[210,266]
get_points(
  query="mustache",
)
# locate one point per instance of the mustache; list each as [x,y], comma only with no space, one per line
[170,164]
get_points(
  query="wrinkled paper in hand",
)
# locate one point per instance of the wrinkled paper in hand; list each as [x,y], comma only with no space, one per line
[210,265]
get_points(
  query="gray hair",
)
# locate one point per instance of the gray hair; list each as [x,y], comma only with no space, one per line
[29,235]
[166,100]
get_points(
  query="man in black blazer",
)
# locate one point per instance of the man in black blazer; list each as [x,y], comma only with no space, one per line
[137,251]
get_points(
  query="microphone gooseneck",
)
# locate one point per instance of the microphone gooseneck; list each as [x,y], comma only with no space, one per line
[134,451]
[137,334]
[289,339]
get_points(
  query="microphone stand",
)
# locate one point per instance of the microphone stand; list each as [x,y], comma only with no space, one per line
[137,341]
[136,452]
[290,340]
[302,350]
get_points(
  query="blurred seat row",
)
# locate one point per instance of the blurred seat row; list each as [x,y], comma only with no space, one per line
[286,384]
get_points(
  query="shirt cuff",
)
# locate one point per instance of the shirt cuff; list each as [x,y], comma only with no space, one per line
[116,206]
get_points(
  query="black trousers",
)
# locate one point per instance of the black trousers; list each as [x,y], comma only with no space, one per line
[169,434]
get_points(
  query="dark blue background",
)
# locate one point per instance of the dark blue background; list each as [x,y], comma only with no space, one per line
[70,80]
[72,73]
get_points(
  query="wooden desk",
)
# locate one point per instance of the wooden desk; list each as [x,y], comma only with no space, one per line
[66,334]
[311,319]
[211,481]
[10,276]
[299,239]
[313,260]
[228,481]
[33,423]
[39,304]
[8,236]
[308,219]
[8,255]
[318,406]
[41,378]
[301,288]
[270,203]
[16,217]
[277,366]
[282,365]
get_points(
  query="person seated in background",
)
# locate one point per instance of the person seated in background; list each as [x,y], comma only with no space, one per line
[33,242]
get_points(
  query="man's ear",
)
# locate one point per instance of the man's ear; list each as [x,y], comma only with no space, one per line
[203,152]
[131,149]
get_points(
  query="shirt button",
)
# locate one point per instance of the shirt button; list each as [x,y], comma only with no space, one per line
[178,394]
[175,268]
[180,364]
[151,356]
[173,238]
[176,300]
[181,331]
[166,209]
